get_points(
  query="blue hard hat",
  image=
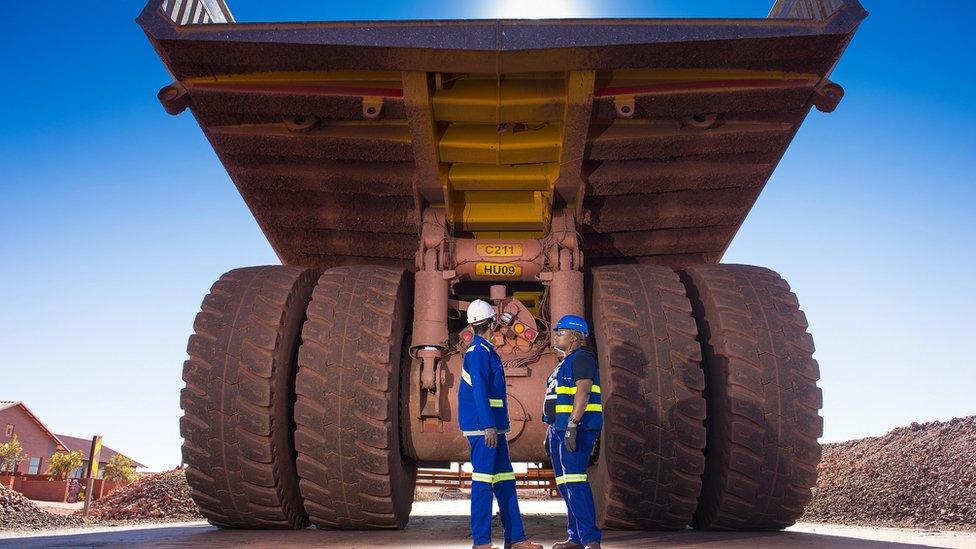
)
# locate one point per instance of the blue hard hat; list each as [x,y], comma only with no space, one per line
[573,322]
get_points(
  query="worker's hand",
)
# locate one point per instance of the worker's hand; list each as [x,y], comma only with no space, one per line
[491,437]
[571,437]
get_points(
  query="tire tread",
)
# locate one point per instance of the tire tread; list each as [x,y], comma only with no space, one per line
[651,460]
[762,454]
[347,430]
[236,423]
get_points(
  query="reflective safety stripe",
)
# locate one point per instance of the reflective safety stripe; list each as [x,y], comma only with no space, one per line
[466,377]
[497,477]
[475,346]
[572,390]
[495,402]
[571,478]
[480,477]
[568,408]
[502,476]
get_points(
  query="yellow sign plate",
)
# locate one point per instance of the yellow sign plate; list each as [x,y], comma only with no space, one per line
[498,270]
[499,250]
[95,454]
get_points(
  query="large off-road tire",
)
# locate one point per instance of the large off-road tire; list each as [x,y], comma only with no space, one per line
[237,405]
[763,399]
[648,474]
[353,473]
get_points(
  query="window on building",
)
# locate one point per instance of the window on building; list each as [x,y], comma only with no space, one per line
[76,473]
[9,431]
[34,467]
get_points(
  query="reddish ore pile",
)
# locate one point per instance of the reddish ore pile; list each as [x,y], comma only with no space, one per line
[920,476]
[155,496]
[18,512]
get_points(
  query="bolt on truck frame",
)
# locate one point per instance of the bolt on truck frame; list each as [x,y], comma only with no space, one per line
[593,167]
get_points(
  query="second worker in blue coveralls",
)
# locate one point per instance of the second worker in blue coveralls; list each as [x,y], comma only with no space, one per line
[483,416]
[574,411]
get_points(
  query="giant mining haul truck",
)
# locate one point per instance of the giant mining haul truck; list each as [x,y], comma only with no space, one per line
[402,169]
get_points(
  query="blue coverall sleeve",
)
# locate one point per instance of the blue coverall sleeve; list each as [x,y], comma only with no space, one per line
[478,365]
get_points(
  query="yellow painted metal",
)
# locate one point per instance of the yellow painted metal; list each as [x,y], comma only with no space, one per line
[531,300]
[499,270]
[379,79]
[496,100]
[501,210]
[637,77]
[491,177]
[485,144]
[94,453]
[503,141]
[495,235]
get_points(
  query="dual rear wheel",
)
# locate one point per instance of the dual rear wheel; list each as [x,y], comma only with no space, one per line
[291,406]
[719,432]
[292,399]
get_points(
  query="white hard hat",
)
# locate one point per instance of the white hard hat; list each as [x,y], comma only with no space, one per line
[479,311]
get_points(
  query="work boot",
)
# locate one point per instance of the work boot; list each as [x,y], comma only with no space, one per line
[594,545]
[485,546]
[568,544]
[524,544]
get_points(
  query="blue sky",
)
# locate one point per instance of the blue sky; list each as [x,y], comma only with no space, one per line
[115,218]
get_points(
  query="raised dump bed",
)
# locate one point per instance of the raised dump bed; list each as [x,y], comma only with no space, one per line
[671,127]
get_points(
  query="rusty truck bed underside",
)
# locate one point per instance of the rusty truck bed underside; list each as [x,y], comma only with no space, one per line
[658,133]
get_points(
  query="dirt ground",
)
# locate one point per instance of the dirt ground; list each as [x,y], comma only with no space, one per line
[443,524]
[58,508]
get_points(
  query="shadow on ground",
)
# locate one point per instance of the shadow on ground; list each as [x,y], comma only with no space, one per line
[429,531]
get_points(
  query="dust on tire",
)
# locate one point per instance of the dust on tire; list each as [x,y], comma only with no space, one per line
[237,403]
[353,475]
[648,475]
[763,400]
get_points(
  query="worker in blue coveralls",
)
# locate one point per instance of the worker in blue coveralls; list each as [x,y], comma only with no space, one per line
[483,416]
[574,412]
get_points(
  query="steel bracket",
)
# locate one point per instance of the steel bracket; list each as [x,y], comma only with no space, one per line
[826,96]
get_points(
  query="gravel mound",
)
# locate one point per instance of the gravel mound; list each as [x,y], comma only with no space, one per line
[920,476]
[156,496]
[18,512]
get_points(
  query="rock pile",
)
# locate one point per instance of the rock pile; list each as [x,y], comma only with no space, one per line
[18,512]
[923,475]
[156,496]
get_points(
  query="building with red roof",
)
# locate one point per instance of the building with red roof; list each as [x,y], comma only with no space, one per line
[39,442]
